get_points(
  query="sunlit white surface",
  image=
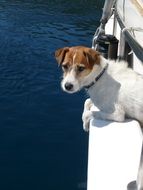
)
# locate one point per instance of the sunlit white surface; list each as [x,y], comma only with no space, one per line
[114,154]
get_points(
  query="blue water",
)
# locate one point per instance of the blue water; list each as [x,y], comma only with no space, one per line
[42,143]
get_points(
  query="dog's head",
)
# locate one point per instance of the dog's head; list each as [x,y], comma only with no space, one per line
[77,64]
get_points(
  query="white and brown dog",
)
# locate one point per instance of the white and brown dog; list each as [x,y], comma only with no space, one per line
[115,89]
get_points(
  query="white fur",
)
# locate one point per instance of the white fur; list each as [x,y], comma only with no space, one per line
[71,78]
[117,94]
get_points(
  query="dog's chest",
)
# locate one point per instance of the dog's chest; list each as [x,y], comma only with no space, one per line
[101,100]
[104,95]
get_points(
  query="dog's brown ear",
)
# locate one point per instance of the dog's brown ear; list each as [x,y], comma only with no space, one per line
[60,54]
[92,56]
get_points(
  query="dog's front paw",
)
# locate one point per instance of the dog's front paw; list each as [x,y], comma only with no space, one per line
[86,116]
[88,104]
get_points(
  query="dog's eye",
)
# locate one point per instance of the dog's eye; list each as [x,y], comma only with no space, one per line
[80,68]
[65,67]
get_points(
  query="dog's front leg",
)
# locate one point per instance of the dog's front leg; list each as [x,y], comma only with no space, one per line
[87,114]
[118,114]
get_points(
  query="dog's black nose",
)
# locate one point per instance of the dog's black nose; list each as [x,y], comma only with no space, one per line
[68,86]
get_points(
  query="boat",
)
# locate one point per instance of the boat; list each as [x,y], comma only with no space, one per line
[115,155]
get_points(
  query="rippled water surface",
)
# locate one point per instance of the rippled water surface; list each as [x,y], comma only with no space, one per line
[42,144]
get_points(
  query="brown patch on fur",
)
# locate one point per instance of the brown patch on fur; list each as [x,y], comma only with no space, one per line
[78,55]
[60,54]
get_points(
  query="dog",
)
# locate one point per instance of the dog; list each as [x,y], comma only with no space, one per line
[115,89]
